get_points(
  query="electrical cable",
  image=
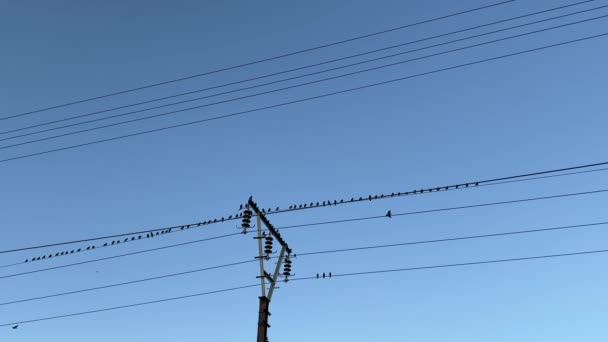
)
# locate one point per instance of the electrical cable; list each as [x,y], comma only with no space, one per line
[131,305]
[116,256]
[258,61]
[488,182]
[52,137]
[343,250]
[284,72]
[496,261]
[352,274]
[367,218]
[283,104]
[130,282]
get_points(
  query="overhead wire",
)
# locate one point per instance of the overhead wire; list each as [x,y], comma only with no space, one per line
[481,205]
[332,251]
[487,182]
[116,256]
[129,282]
[486,262]
[318,47]
[288,71]
[302,100]
[351,274]
[272,91]
[366,218]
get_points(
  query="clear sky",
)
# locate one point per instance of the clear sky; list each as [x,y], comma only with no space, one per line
[531,112]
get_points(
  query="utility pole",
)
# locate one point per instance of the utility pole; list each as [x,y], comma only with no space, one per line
[264,251]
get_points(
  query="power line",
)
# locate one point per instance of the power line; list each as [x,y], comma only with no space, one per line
[131,305]
[470,237]
[460,186]
[367,218]
[130,282]
[293,78]
[343,250]
[167,230]
[116,256]
[259,61]
[287,71]
[241,113]
[353,274]
[488,182]
[461,264]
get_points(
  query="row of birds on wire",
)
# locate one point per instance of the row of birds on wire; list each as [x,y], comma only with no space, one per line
[241,213]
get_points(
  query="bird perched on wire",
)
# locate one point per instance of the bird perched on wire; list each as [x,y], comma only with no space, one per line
[389,214]
[324,275]
[15,326]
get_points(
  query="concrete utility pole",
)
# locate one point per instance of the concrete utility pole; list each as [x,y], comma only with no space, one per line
[264,255]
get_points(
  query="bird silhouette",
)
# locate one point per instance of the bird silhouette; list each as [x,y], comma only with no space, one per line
[323,274]
[477,184]
[330,274]
[389,214]
[370,197]
[241,207]
[15,326]
[26,260]
[317,275]
[277,209]
[230,217]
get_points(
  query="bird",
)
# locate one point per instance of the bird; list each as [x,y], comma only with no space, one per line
[389,214]
[230,217]
[15,326]
[241,207]
[290,207]
[26,260]
[370,197]
[477,184]
[330,274]
[277,209]
[105,244]
[317,275]
[323,274]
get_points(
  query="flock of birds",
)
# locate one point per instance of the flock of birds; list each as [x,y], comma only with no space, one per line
[240,214]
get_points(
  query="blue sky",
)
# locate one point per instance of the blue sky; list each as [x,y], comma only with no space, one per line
[532,112]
